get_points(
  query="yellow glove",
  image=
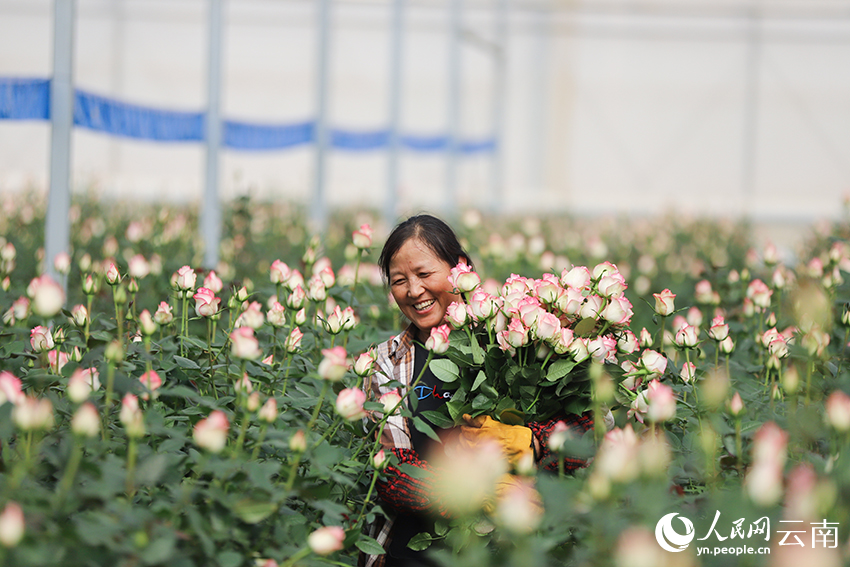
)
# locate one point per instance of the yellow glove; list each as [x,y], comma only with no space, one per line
[515,440]
[514,494]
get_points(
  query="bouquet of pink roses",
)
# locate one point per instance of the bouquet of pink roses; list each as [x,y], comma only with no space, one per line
[522,354]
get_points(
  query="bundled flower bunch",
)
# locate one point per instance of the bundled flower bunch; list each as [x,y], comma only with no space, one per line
[522,354]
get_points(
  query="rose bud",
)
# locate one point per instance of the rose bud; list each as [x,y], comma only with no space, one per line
[12,525]
[279,272]
[326,540]
[365,364]
[186,279]
[206,303]
[253,402]
[31,414]
[62,263]
[838,411]
[301,316]
[664,304]
[113,277]
[146,323]
[114,352]
[79,315]
[251,317]
[41,339]
[211,433]
[736,405]
[86,421]
[10,388]
[213,282]
[362,237]
[295,300]
[391,402]
[688,372]
[47,296]
[276,316]
[438,342]
[298,442]
[380,461]
[268,413]
[163,314]
[349,404]
[463,278]
[138,267]
[334,364]
[131,416]
[151,381]
[244,345]
[293,341]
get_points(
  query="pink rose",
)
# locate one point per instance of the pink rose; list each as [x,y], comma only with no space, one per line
[719,330]
[268,413]
[316,289]
[206,303]
[438,341]
[86,421]
[618,311]
[41,339]
[688,372]
[244,345]
[654,363]
[211,433]
[661,402]
[365,363]
[326,540]
[47,296]
[279,273]
[687,336]
[603,349]
[293,341]
[664,302]
[463,278]
[391,402]
[276,316]
[627,343]
[296,299]
[838,411]
[736,405]
[151,381]
[138,267]
[482,305]
[577,278]
[113,277]
[349,404]
[759,293]
[163,314]
[10,388]
[252,316]
[131,416]
[362,237]
[31,414]
[186,279]
[547,291]
[547,327]
[457,314]
[517,333]
[564,340]
[213,282]
[334,364]
[12,525]
[592,307]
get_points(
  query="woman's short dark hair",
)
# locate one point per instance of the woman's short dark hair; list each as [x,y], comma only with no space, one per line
[435,233]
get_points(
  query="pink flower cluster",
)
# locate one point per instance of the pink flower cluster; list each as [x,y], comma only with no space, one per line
[582,313]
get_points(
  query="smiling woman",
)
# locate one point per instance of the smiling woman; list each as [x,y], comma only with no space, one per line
[417,262]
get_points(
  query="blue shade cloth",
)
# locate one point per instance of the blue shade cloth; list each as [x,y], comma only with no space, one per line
[128,120]
[29,99]
[245,136]
[24,99]
[359,141]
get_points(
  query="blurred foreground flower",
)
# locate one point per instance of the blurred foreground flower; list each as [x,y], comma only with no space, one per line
[11,525]
[211,433]
[326,540]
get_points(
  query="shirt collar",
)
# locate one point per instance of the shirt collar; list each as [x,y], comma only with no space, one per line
[403,342]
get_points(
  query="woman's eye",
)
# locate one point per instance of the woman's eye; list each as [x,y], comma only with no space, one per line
[396,282]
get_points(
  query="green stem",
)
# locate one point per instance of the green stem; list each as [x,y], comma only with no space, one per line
[69,474]
[739,447]
[132,450]
[262,437]
[368,497]
[110,385]
[246,415]
[297,557]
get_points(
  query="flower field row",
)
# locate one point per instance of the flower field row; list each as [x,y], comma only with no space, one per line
[152,412]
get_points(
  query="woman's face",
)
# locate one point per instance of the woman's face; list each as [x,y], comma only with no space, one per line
[420,285]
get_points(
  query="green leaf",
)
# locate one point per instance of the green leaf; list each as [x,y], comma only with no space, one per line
[438,418]
[420,542]
[423,427]
[253,511]
[477,352]
[559,369]
[512,417]
[445,370]
[479,380]
[229,559]
[585,327]
[369,545]
[186,363]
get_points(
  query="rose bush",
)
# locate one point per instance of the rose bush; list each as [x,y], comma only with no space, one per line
[247,452]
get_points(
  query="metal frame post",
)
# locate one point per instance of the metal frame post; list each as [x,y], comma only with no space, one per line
[211,208]
[318,208]
[454,103]
[57,231]
[396,58]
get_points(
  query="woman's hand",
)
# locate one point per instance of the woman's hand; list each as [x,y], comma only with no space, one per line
[514,440]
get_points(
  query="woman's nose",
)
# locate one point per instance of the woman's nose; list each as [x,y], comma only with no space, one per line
[414,288]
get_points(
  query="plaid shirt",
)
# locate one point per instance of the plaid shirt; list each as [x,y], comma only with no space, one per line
[401,493]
